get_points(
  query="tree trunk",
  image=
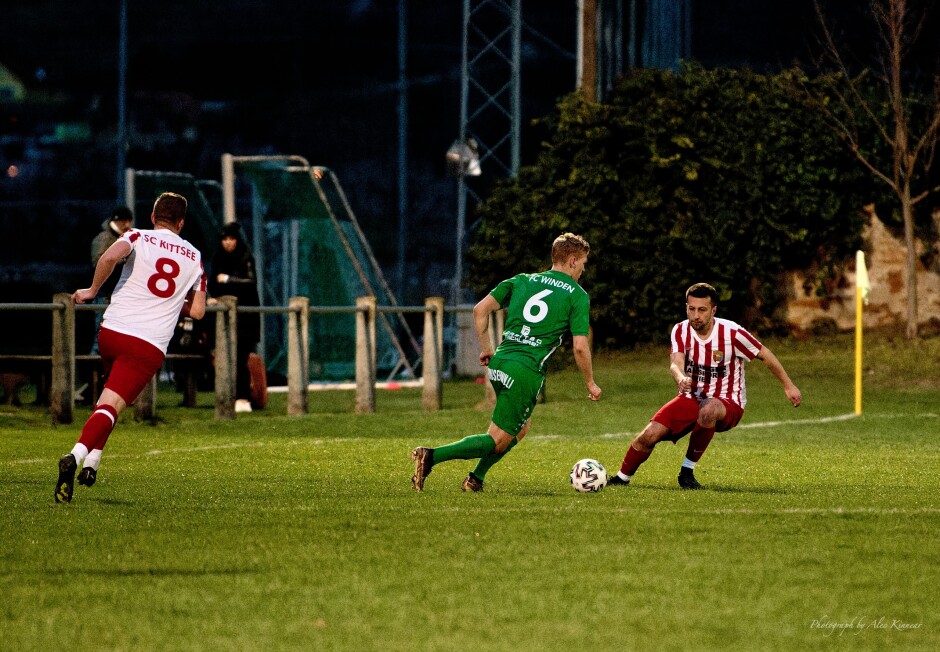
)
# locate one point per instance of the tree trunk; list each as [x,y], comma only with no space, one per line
[907,211]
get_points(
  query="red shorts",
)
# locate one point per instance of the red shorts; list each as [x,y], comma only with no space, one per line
[680,414]
[129,363]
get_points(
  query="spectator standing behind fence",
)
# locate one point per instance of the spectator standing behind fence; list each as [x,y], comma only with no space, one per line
[163,279]
[233,273]
[112,228]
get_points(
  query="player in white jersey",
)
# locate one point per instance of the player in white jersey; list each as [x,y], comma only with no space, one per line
[707,362]
[162,279]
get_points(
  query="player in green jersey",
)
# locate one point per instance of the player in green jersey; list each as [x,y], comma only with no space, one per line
[541,309]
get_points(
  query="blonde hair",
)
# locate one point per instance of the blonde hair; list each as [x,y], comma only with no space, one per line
[569,244]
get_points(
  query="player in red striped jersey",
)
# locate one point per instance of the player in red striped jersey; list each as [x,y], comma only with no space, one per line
[162,279]
[707,362]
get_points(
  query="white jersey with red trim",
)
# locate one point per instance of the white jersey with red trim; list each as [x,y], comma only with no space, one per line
[160,271]
[716,364]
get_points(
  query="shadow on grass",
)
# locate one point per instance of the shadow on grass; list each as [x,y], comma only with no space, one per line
[708,489]
[111,502]
[168,572]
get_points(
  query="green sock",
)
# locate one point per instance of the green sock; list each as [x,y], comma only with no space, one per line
[467,448]
[486,462]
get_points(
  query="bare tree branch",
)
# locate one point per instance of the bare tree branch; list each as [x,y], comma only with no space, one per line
[897,31]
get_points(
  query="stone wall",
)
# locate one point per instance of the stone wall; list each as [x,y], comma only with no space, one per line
[886,259]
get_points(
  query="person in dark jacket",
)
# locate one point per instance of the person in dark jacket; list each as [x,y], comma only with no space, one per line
[233,273]
[120,221]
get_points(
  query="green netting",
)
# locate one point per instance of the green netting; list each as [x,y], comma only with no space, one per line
[313,248]
[307,243]
[203,216]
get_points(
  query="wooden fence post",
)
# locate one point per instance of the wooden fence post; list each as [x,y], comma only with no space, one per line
[431,353]
[226,333]
[62,390]
[365,355]
[298,355]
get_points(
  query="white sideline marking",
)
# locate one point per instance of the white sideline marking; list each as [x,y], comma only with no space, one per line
[798,422]
[379,384]
[830,510]
[194,449]
[544,437]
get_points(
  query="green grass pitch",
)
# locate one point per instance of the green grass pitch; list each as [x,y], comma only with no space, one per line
[278,533]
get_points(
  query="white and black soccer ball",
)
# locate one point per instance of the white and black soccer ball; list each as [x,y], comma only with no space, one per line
[588,475]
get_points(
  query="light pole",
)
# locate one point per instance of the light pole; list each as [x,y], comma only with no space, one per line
[463,160]
[402,146]
[122,106]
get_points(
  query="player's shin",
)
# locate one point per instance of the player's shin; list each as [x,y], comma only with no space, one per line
[96,430]
[486,462]
[698,443]
[633,459]
[467,448]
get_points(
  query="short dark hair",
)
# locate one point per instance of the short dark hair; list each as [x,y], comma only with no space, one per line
[232,230]
[170,208]
[122,214]
[568,244]
[702,291]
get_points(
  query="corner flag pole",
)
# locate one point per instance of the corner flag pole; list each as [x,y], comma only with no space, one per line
[862,289]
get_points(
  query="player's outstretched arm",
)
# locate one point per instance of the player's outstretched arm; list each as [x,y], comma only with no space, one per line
[582,356]
[106,264]
[792,391]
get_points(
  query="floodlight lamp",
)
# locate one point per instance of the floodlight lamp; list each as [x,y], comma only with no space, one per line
[463,159]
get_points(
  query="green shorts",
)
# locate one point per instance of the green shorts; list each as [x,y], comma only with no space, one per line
[517,390]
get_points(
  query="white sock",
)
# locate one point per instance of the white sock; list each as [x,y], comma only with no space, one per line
[79,451]
[94,459]
[623,477]
[688,464]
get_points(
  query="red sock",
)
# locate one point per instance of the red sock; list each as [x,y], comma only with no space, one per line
[698,442]
[99,425]
[633,459]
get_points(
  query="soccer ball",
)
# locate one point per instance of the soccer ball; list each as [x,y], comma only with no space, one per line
[588,475]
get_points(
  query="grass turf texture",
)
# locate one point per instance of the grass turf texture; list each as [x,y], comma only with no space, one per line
[271,532]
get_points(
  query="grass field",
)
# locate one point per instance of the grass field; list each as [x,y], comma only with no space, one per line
[281,533]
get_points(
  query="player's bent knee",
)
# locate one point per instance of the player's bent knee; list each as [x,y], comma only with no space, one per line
[711,412]
[646,440]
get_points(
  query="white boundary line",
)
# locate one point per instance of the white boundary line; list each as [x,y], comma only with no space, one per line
[797,422]
[379,384]
[790,422]
[543,437]
[193,449]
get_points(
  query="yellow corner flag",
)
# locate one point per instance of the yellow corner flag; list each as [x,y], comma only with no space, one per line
[862,290]
[861,276]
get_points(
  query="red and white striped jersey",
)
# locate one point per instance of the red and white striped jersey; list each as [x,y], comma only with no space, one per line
[160,271]
[716,364]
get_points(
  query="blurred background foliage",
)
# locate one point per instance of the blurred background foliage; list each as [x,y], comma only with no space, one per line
[725,176]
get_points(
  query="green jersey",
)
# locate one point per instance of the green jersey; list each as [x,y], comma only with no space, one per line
[541,309]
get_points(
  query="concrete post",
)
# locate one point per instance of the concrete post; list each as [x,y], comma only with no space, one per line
[298,355]
[432,353]
[226,333]
[365,355]
[62,391]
